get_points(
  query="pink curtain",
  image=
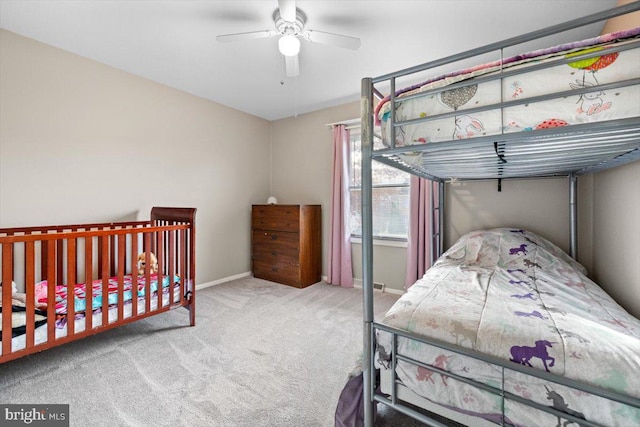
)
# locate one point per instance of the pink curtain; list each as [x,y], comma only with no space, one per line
[339,271]
[420,224]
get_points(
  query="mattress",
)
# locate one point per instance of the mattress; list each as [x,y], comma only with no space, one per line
[514,295]
[458,123]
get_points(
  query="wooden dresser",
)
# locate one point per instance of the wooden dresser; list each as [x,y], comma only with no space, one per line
[286,243]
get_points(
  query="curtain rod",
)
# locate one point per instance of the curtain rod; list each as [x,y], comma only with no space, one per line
[350,124]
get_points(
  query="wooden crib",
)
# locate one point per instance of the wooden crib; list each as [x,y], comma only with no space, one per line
[142,267]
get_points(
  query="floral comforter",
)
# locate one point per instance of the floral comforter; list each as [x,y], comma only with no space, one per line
[80,292]
[514,295]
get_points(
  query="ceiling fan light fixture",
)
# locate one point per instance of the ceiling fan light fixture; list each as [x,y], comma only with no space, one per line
[289,45]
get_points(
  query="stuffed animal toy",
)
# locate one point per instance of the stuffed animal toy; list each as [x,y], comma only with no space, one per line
[142,259]
[17,298]
[14,288]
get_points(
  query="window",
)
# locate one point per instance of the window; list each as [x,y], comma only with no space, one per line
[390,197]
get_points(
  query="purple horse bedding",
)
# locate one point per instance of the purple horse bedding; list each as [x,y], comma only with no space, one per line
[514,295]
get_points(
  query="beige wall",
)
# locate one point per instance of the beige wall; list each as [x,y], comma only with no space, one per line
[84,142]
[616,234]
[615,216]
[540,206]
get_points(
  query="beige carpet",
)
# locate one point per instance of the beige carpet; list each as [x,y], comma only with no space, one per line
[262,354]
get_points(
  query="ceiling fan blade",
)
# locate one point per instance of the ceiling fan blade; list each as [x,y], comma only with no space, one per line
[246,36]
[346,42]
[292,66]
[287,10]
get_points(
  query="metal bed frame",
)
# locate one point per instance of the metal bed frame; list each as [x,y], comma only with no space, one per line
[586,148]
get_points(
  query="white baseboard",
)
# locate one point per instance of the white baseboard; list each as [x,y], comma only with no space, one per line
[223,280]
[357,283]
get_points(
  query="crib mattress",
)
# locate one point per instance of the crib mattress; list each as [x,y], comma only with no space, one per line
[516,296]
[595,106]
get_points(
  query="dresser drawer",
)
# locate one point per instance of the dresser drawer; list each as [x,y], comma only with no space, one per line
[277,255]
[276,239]
[278,272]
[276,217]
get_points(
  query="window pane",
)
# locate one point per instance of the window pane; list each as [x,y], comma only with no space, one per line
[384,175]
[390,196]
[390,212]
[355,162]
[381,174]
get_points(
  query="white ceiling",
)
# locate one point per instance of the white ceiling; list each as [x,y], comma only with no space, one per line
[174,42]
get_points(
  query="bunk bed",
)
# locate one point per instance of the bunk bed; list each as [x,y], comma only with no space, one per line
[65,282]
[505,328]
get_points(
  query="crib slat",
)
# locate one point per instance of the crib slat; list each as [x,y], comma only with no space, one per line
[104,251]
[172,263]
[71,285]
[159,256]
[7,277]
[12,250]
[187,275]
[71,261]
[29,282]
[112,256]
[100,263]
[59,261]
[183,264]
[25,266]
[44,256]
[88,279]
[152,244]
[134,274]
[191,253]
[121,265]
[147,275]
[51,290]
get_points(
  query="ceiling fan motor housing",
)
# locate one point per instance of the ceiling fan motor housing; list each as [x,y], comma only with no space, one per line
[289,28]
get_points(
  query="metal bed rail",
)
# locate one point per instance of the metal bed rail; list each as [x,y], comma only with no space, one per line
[527,67]
[504,366]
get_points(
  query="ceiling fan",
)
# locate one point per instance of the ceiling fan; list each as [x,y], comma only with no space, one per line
[289,25]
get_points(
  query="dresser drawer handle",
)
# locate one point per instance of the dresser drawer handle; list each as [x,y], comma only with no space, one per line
[274,269]
[274,253]
[274,237]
